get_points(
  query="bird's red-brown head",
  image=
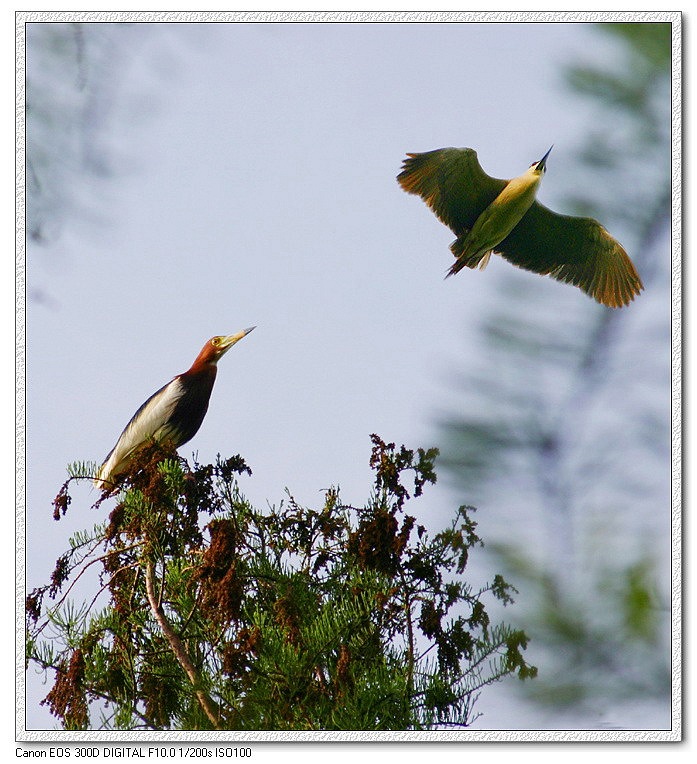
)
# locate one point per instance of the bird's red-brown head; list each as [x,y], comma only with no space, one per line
[216,347]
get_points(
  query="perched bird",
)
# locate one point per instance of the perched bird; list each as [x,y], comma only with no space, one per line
[173,414]
[491,215]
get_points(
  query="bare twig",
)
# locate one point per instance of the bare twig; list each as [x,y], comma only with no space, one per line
[178,648]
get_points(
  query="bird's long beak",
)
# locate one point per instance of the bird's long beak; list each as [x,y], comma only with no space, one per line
[541,163]
[231,339]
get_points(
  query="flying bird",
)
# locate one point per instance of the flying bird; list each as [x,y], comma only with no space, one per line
[501,216]
[173,414]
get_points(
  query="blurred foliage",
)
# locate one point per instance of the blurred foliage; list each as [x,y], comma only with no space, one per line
[628,147]
[607,643]
[551,439]
[337,618]
[647,48]
[59,97]
[72,75]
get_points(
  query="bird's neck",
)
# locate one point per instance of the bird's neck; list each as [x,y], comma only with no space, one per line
[529,180]
[203,365]
[520,192]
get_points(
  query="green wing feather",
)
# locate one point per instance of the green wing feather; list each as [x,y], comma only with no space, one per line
[452,183]
[574,250]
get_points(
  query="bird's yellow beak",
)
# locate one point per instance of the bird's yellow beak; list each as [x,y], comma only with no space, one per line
[227,342]
[541,163]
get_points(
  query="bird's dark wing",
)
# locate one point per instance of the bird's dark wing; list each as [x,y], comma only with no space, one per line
[452,183]
[575,250]
[150,420]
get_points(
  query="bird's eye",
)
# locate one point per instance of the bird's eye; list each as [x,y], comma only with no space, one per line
[215,341]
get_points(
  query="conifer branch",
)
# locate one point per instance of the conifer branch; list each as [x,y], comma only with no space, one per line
[178,648]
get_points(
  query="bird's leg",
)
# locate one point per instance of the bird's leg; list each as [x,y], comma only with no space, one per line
[485,260]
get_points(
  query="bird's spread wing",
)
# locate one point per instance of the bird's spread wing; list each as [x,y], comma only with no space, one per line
[575,250]
[150,420]
[452,183]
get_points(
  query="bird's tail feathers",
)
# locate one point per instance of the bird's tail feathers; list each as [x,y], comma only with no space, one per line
[466,258]
[103,479]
